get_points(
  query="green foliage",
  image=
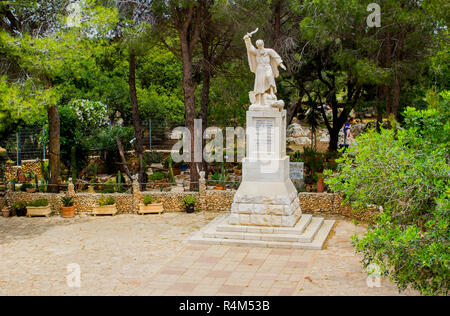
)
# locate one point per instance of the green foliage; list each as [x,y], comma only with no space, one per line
[106,201]
[67,201]
[406,173]
[189,200]
[148,200]
[19,207]
[157,176]
[26,186]
[38,203]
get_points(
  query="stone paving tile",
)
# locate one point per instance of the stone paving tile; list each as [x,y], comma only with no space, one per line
[134,255]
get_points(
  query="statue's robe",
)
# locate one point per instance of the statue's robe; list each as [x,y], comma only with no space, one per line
[265,67]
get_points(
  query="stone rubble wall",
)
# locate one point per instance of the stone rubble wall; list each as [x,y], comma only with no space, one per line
[28,166]
[331,204]
[319,204]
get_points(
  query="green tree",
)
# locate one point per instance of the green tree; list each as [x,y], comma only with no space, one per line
[405,173]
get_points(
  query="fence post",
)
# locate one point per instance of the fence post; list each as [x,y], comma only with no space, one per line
[17,150]
[150,128]
[43,143]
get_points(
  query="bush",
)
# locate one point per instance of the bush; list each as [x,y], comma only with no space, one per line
[26,186]
[106,201]
[38,203]
[157,176]
[19,208]
[406,172]
[189,200]
[148,200]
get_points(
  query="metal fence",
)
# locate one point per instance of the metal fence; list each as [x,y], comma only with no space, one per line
[29,143]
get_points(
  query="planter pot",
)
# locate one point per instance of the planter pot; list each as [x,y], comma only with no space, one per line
[91,189]
[5,213]
[105,210]
[219,187]
[155,208]
[176,171]
[320,186]
[238,172]
[31,190]
[68,212]
[39,211]
[190,209]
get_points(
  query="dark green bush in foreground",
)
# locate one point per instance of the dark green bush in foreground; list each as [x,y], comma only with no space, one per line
[406,172]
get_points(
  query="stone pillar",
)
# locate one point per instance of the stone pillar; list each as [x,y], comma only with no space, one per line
[203,202]
[136,194]
[71,189]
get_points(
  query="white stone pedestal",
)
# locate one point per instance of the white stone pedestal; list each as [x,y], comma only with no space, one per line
[267,196]
[266,209]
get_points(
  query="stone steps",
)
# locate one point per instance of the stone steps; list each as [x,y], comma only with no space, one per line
[309,233]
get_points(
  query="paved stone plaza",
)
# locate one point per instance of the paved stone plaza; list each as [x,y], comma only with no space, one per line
[136,255]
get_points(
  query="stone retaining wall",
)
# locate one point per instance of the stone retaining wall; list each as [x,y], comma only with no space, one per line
[210,200]
[28,166]
[330,204]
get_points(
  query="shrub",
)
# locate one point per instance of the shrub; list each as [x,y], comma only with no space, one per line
[109,187]
[19,207]
[148,200]
[157,176]
[189,200]
[67,201]
[38,203]
[406,172]
[106,201]
[26,186]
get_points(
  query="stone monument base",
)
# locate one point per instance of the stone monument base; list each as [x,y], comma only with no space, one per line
[309,233]
[274,205]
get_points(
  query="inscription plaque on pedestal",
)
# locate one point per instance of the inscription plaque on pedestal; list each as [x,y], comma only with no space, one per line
[265,135]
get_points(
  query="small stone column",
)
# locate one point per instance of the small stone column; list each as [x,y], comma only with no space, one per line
[202,191]
[136,194]
[71,189]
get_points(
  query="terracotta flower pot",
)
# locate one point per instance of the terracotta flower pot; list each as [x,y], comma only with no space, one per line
[68,212]
[237,172]
[176,171]
[219,187]
[31,190]
[5,213]
[320,186]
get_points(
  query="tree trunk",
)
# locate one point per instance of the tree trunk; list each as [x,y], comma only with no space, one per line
[276,23]
[54,148]
[396,96]
[334,139]
[189,102]
[292,110]
[122,157]
[138,134]
[204,110]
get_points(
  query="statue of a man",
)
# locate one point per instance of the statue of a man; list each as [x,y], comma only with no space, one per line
[264,63]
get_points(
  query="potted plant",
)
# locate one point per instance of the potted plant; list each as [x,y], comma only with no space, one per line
[5,212]
[9,163]
[19,209]
[27,187]
[189,203]
[106,206]
[39,208]
[320,183]
[150,206]
[68,208]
